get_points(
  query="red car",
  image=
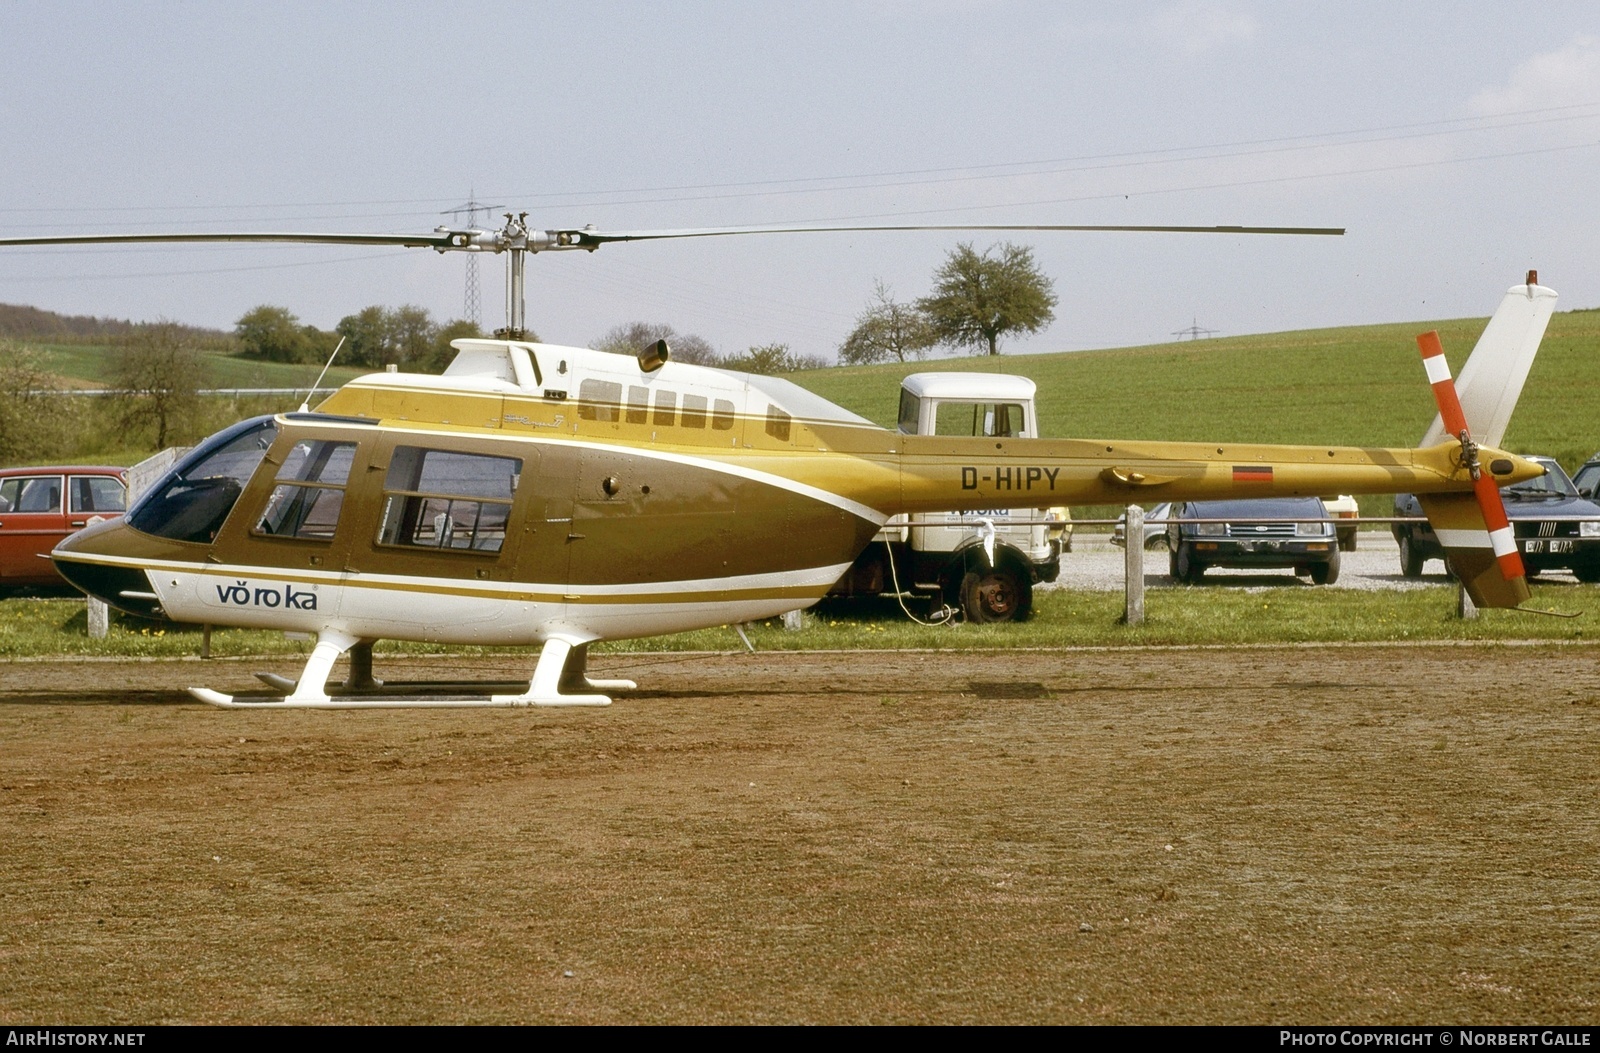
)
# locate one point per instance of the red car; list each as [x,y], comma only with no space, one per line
[40,506]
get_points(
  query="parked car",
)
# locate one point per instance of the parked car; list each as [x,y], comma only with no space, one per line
[40,506]
[1555,528]
[1155,534]
[1587,479]
[1263,532]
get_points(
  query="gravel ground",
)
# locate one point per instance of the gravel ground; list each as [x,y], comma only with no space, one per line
[1095,564]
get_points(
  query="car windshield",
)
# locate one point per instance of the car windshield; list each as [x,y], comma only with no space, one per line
[1554,483]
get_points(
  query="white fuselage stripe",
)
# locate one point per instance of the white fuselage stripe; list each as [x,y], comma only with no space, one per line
[733,583]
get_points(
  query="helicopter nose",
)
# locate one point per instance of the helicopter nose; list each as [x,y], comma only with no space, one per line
[94,561]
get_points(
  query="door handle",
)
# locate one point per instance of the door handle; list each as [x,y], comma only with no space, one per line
[79,522]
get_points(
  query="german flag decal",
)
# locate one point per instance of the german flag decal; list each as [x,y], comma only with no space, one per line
[1252,473]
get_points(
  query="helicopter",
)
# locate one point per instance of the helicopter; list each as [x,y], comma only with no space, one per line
[543,495]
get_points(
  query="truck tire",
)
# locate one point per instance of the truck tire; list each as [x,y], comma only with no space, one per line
[1326,573]
[996,595]
[1183,566]
[1410,561]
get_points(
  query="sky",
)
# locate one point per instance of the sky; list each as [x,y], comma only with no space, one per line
[1459,144]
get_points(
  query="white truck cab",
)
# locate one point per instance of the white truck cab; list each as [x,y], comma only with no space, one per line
[941,554]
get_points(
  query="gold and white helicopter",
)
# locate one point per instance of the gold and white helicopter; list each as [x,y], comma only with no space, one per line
[540,494]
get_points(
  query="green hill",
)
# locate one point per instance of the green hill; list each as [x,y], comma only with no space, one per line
[1359,386]
[89,366]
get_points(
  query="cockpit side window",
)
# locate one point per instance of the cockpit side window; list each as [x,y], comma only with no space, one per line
[309,493]
[192,502]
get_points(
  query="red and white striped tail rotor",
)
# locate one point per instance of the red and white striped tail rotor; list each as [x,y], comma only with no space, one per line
[1483,485]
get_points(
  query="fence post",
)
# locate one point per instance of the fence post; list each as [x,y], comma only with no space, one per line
[1133,566]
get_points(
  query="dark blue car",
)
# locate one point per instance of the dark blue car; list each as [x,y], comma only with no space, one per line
[1555,528]
[1263,532]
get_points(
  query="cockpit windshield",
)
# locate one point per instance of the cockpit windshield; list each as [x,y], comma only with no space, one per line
[192,502]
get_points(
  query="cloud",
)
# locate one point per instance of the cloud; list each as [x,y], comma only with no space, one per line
[1563,77]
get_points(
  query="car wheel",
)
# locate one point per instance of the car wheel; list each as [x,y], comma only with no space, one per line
[998,595]
[1410,561]
[1326,573]
[1589,572]
[1157,542]
[1183,565]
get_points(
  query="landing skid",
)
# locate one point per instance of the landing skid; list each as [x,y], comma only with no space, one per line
[558,680]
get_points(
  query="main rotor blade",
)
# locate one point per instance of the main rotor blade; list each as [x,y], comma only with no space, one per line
[589,238]
[435,240]
[585,238]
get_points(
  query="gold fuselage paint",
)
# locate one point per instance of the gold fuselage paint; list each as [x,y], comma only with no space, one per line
[685,498]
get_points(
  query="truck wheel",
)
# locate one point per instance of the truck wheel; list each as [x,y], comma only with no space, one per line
[1410,561]
[1347,540]
[1183,565]
[997,595]
[1326,573]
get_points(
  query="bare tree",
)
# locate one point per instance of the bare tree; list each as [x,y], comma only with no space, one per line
[685,347]
[27,427]
[887,329]
[160,371]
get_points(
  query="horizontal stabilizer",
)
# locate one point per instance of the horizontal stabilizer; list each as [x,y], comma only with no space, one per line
[1492,378]
[1478,556]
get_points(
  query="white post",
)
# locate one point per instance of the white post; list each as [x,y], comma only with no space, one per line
[1466,610]
[99,619]
[1133,567]
[794,621]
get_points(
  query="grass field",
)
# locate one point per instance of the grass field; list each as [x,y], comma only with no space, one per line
[1063,618]
[1357,386]
[81,366]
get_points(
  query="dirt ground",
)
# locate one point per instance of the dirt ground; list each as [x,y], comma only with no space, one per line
[1356,834]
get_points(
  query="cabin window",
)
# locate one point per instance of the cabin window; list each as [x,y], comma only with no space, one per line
[694,411]
[309,493]
[721,415]
[442,499]
[98,493]
[994,420]
[666,408]
[192,503]
[910,412]
[778,424]
[599,400]
[638,404]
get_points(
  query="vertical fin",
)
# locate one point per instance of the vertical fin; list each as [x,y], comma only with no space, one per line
[1492,377]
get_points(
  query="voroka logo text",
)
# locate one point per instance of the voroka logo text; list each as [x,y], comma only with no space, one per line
[244,594]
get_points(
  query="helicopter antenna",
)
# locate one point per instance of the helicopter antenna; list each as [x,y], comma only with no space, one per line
[305,407]
[473,301]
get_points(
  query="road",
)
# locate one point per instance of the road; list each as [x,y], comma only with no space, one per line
[1095,564]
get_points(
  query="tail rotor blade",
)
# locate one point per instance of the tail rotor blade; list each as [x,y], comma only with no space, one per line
[1490,504]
